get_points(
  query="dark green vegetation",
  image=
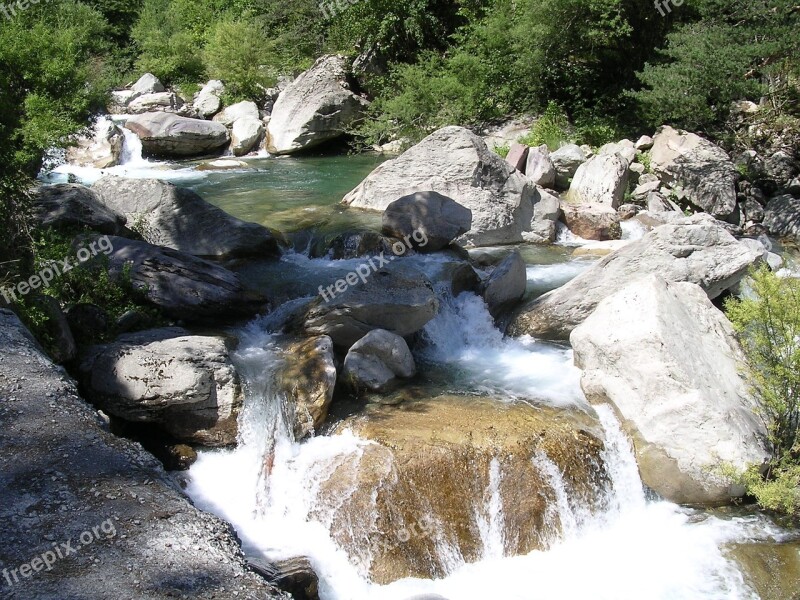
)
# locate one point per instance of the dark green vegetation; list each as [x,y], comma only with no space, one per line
[769,327]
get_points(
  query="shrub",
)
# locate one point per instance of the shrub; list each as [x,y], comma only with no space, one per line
[552,129]
[769,328]
[234,53]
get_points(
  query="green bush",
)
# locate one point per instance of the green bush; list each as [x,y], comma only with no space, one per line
[233,53]
[551,129]
[769,328]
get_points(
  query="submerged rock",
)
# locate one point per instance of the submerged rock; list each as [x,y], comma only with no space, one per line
[695,249]
[430,466]
[669,362]
[308,379]
[179,219]
[456,163]
[184,383]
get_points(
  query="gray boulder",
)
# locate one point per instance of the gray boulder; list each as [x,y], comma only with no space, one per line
[435,219]
[603,179]
[245,134]
[696,249]
[566,161]
[147,84]
[456,163]
[668,361]
[166,134]
[178,218]
[68,206]
[161,101]
[184,383]
[540,168]
[308,378]
[546,214]
[234,112]
[782,216]
[506,285]
[315,108]
[208,101]
[397,298]
[183,286]
[625,148]
[518,156]
[376,360]
[700,169]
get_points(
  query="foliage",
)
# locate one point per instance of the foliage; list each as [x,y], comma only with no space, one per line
[779,492]
[233,53]
[769,328]
[551,129]
[734,50]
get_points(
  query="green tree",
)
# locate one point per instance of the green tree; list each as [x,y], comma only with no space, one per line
[234,53]
[769,328]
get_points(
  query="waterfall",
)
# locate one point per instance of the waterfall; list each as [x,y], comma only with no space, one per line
[281,498]
[131,150]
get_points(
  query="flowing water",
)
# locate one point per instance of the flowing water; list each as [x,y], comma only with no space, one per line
[615,542]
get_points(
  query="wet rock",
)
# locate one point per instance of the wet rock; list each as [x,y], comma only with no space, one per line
[435,219]
[308,379]
[771,568]
[376,360]
[506,285]
[179,219]
[397,298]
[315,108]
[695,249]
[665,345]
[355,244]
[166,134]
[183,286]
[592,221]
[702,170]
[184,383]
[456,163]
[69,206]
[101,150]
[293,575]
[429,463]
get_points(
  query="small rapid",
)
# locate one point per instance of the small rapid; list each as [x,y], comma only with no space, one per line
[283,501]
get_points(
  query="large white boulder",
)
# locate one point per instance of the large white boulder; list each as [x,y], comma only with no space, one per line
[700,169]
[669,362]
[315,108]
[208,101]
[234,112]
[245,134]
[456,163]
[695,249]
[377,359]
[602,179]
